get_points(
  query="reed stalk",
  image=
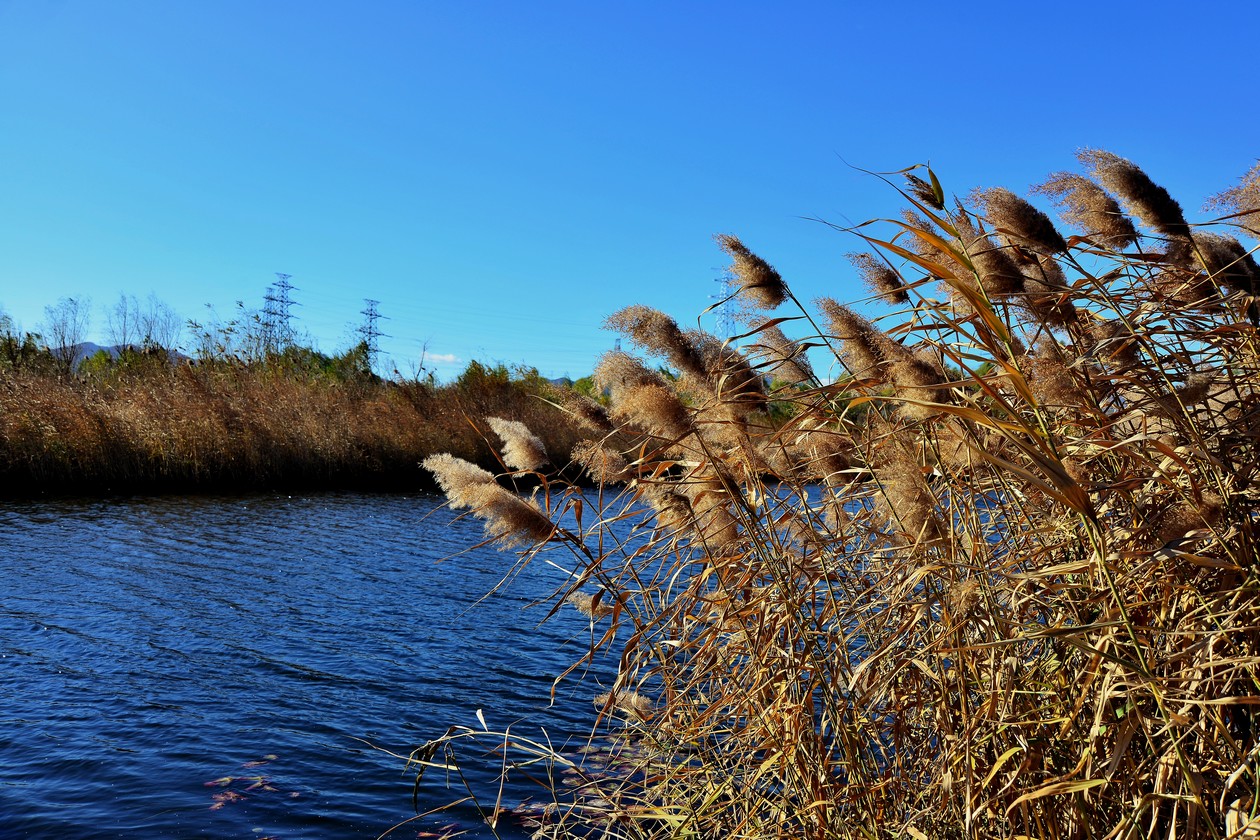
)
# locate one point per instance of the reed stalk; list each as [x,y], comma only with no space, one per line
[995,578]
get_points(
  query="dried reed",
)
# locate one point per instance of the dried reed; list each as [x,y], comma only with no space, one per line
[972,590]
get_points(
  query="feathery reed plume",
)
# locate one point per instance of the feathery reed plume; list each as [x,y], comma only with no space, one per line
[655,408]
[671,509]
[1242,200]
[728,375]
[906,499]
[1144,199]
[587,411]
[1088,206]
[658,333]
[602,464]
[1179,518]
[1196,388]
[709,500]
[865,348]
[924,191]
[997,272]
[618,371]
[522,449]
[822,453]
[1024,223]
[925,249]
[1227,261]
[1047,294]
[916,377]
[591,606]
[880,279]
[510,521]
[461,481]
[1050,378]
[788,363]
[630,703]
[759,283]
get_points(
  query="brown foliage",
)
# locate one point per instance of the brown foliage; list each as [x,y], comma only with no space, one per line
[227,426]
[1029,606]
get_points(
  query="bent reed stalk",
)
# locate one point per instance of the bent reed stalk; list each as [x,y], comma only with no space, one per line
[997,579]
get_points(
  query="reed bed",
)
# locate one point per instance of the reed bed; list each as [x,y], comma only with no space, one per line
[996,578]
[229,426]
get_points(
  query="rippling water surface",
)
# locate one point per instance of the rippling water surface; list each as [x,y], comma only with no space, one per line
[211,667]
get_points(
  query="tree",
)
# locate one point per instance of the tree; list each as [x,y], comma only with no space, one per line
[66,323]
[155,326]
[159,325]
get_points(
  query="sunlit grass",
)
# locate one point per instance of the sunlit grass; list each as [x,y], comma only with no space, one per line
[995,578]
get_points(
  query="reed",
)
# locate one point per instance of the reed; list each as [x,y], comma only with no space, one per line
[1017,596]
[232,426]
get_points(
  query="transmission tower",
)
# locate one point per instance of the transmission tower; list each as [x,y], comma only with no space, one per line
[278,332]
[724,308]
[369,331]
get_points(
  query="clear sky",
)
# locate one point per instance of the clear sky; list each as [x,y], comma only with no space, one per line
[503,175]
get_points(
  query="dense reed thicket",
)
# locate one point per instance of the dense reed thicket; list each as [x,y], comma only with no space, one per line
[229,426]
[997,579]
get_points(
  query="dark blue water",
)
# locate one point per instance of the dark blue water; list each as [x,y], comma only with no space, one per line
[212,667]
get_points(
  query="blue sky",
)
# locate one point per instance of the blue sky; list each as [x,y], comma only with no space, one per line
[501,176]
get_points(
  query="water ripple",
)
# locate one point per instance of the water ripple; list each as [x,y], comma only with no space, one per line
[152,646]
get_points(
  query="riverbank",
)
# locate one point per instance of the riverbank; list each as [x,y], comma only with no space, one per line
[181,428]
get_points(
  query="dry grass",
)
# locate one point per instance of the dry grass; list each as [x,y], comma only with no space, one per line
[1016,597]
[230,426]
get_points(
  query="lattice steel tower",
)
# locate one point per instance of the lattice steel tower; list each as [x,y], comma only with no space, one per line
[277,330]
[369,331]
[724,310]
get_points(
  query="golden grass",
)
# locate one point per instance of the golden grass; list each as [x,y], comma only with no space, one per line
[1016,596]
[230,426]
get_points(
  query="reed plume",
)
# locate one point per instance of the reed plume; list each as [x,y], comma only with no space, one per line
[630,703]
[657,333]
[967,590]
[924,191]
[586,411]
[1088,206]
[603,464]
[880,279]
[510,521]
[759,283]
[1145,199]
[866,350]
[993,266]
[1024,223]
[522,449]
[591,606]
[1242,200]
[788,362]
[1227,261]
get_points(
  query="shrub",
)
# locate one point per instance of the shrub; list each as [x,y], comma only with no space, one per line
[1016,596]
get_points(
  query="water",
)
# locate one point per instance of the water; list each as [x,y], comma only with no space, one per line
[212,667]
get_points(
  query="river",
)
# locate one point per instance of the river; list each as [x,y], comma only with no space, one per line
[234,667]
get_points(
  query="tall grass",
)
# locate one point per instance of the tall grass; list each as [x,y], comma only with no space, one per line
[998,578]
[229,426]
